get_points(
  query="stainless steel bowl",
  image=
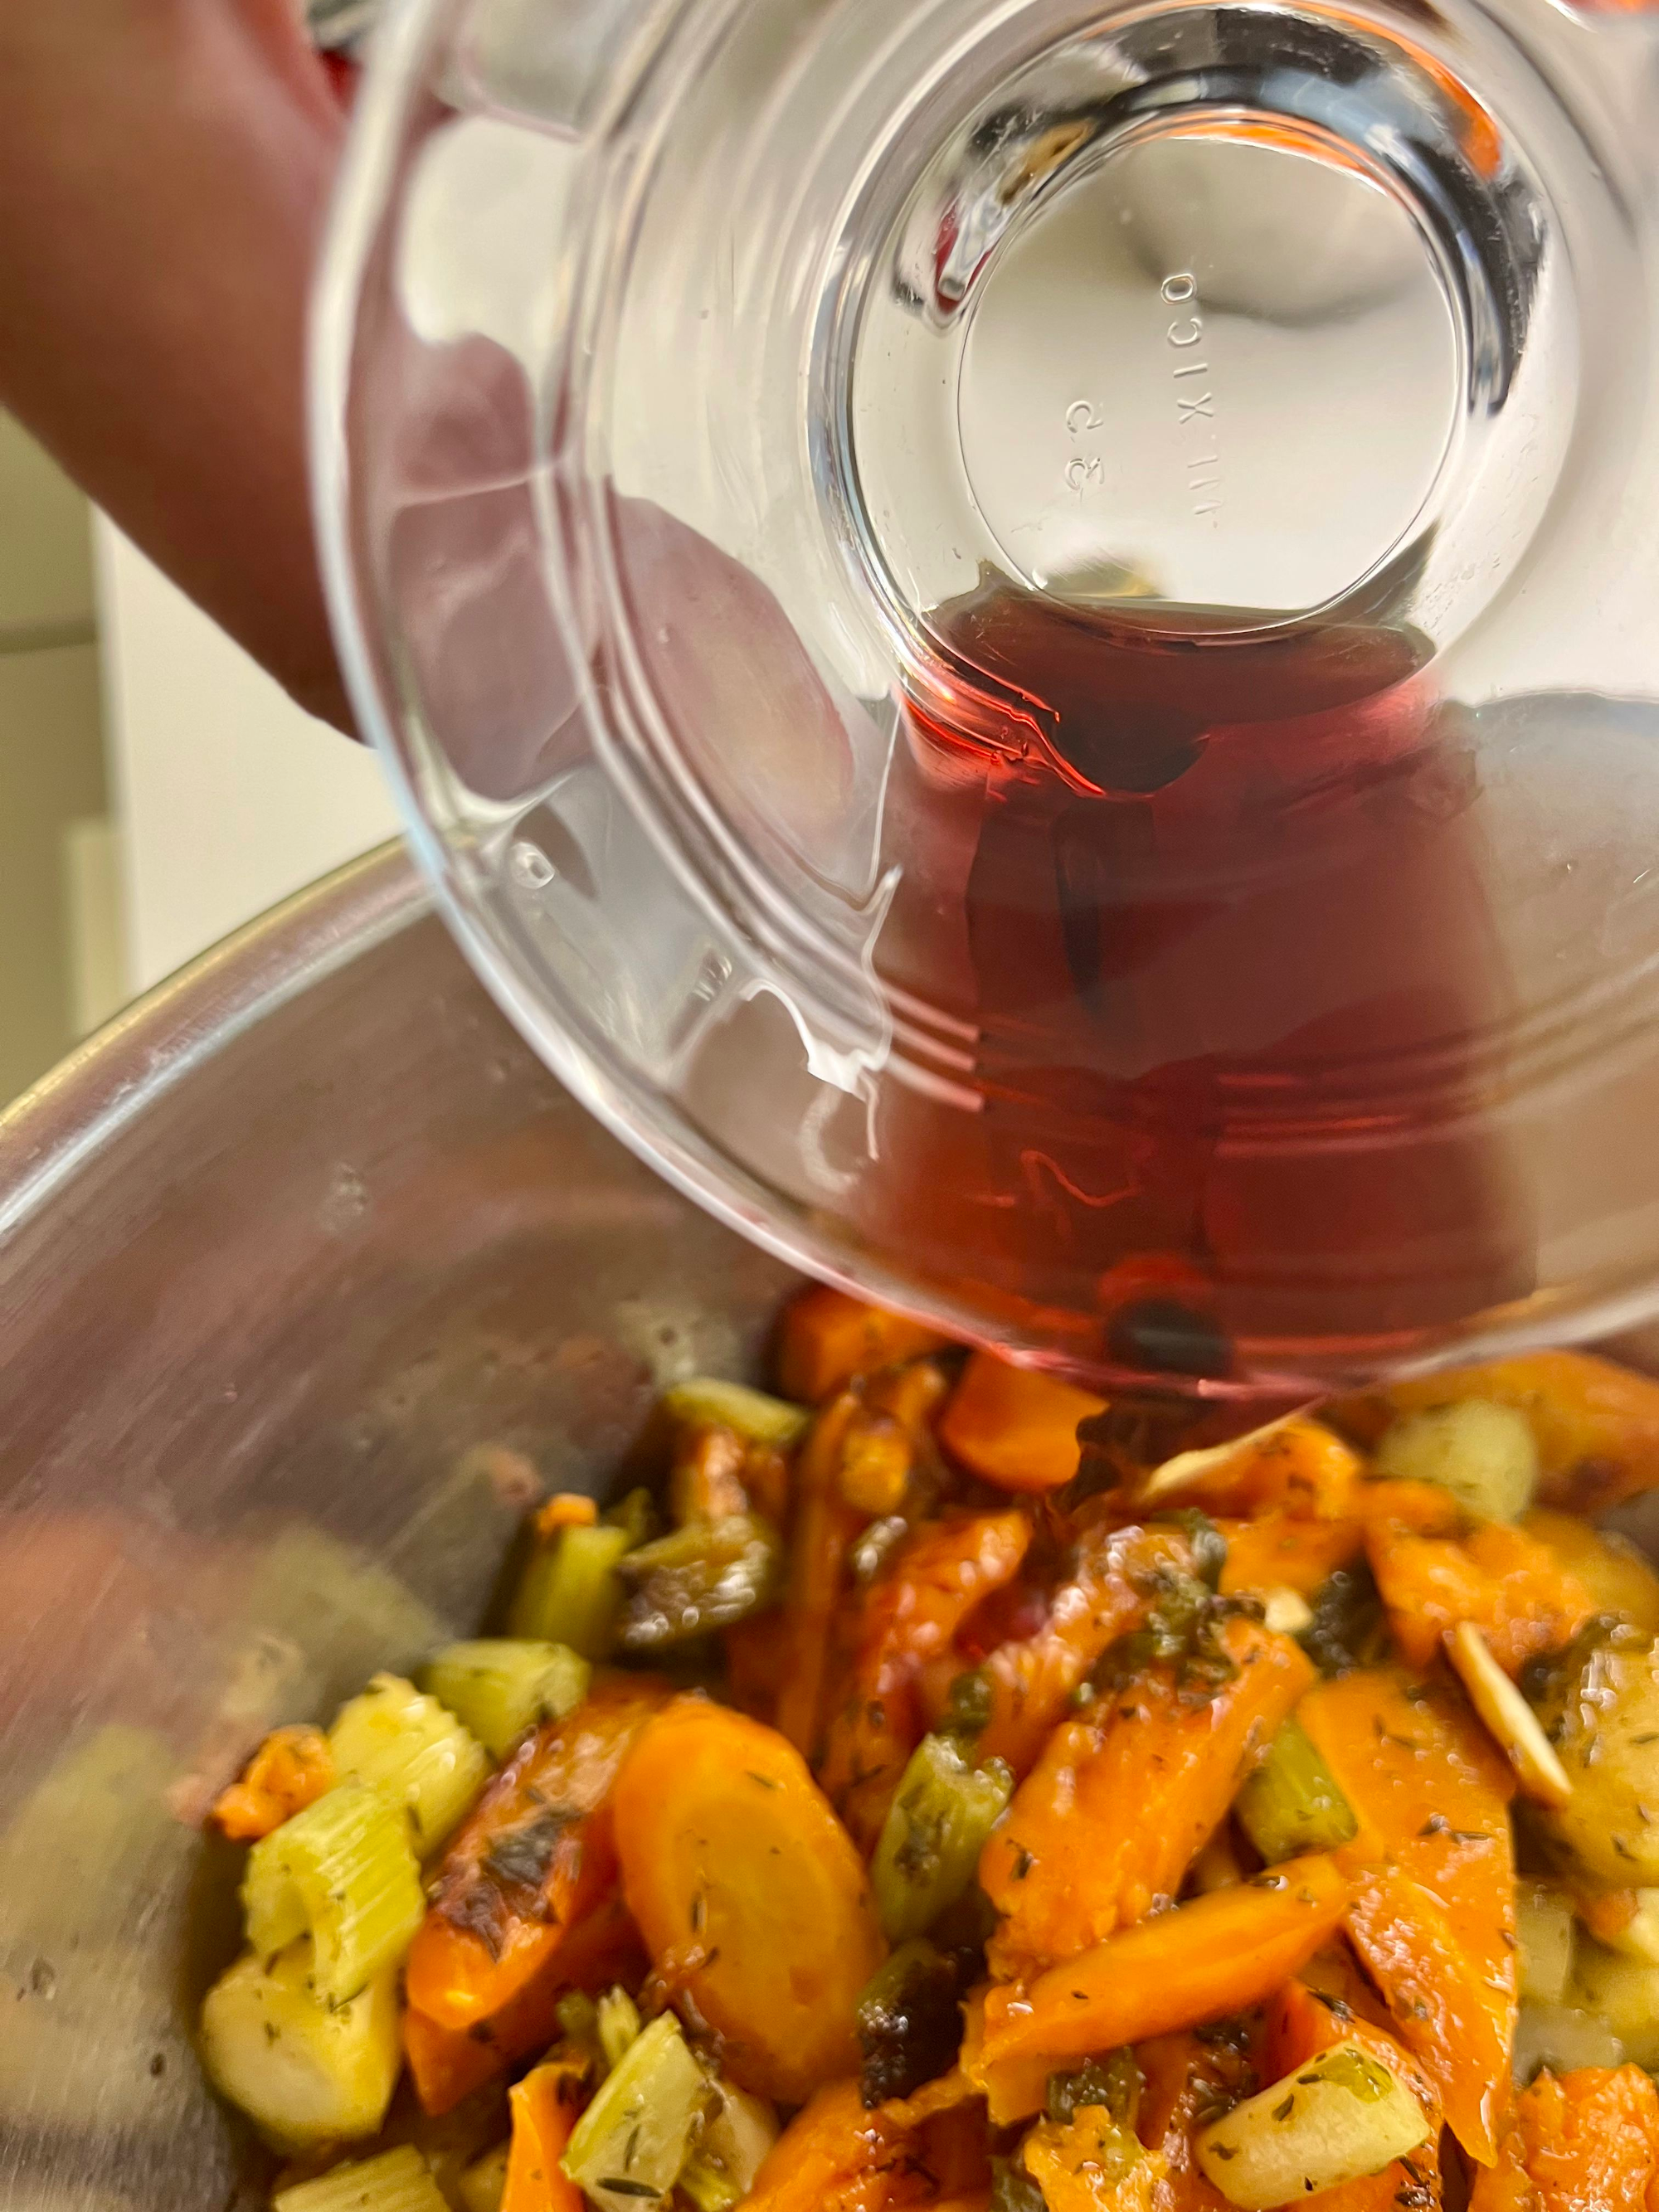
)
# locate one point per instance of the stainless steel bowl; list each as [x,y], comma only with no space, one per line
[301,1262]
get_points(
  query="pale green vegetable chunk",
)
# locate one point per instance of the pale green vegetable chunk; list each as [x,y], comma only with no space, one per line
[1291,1803]
[634,2138]
[1604,1720]
[398,2181]
[482,2186]
[395,1740]
[616,2021]
[1562,2037]
[1623,1994]
[1543,1930]
[736,2137]
[303,2071]
[706,1401]
[571,1593]
[1485,1455]
[342,1872]
[500,1685]
[928,1852]
[1339,2118]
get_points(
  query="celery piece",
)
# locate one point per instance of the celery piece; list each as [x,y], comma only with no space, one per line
[702,1576]
[706,1401]
[934,1832]
[1543,1936]
[397,2181]
[1341,2115]
[1485,1455]
[571,1592]
[616,2022]
[304,2072]
[736,2137]
[1292,1803]
[483,2185]
[419,1757]
[633,2139]
[342,1872]
[500,1685]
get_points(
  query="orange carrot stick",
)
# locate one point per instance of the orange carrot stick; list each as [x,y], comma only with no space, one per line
[1281,1552]
[824,1527]
[1514,1590]
[1015,1426]
[1585,2141]
[1219,1954]
[908,1618]
[826,1339]
[1101,1830]
[1296,1466]
[544,2111]
[1185,2081]
[1432,1913]
[836,2157]
[533,1857]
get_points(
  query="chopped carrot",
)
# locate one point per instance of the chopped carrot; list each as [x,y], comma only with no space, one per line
[748,1894]
[566,1508]
[824,1531]
[1280,1551]
[1101,1830]
[536,1856]
[545,2110]
[1584,2141]
[912,1393]
[827,1339]
[1618,1577]
[1077,2165]
[1420,1509]
[448,2063]
[908,1618]
[1331,2003]
[292,1769]
[1296,1466]
[758,1655]
[952,2148]
[1014,2088]
[836,2157]
[1596,1425]
[1032,1680]
[942,2095]
[875,1464]
[1185,2080]
[1219,1954]
[1512,1588]
[705,1482]
[1015,1426]
[1433,1907]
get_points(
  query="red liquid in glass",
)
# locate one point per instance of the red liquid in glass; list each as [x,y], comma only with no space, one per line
[1214,911]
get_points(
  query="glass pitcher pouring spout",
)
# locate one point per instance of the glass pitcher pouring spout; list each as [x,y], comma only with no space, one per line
[1022,635]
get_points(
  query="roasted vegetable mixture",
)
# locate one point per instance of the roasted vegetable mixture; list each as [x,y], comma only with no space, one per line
[945,1788]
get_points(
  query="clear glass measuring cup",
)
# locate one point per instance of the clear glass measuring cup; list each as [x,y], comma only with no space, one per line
[1024,635]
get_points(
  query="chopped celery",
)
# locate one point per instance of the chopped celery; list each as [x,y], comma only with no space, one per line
[1543,1935]
[929,1849]
[616,2021]
[394,1740]
[706,1401]
[398,2181]
[969,1704]
[702,1576]
[579,2023]
[633,2139]
[736,2137]
[1485,1455]
[1623,1994]
[571,1592]
[342,1872]
[909,2022]
[1341,2115]
[304,2072]
[482,2186]
[635,1511]
[1292,1803]
[500,1685]
[1562,2037]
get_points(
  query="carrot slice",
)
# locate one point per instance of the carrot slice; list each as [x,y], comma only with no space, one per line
[1219,1954]
[748,1894]
[1585,2141]
[448,2063]
[1015,1426]
[1185,2081]
[823,1532]
[291,1769]
[908,1618]
[1032,1681]
[1596,1425]
[836,2157]
[1014,2088]
[1065,2160]
[1433,1908]
[1513,1589]
[544,2111]
[1101,1830]
[827,1338]
[1282,1551]
[1297,1466]
[535,1856]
